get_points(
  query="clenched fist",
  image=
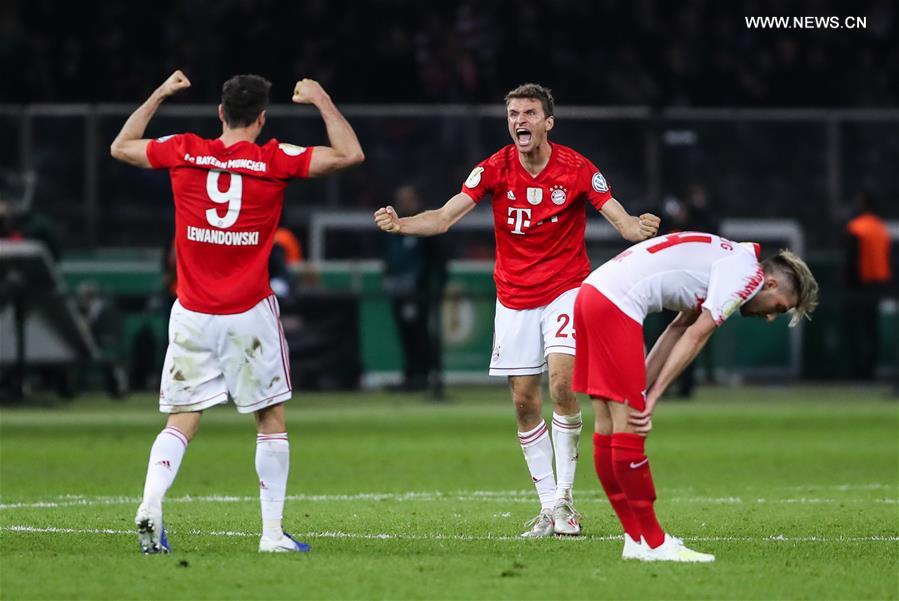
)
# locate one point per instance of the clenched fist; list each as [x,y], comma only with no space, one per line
[386,219]
[176,82]
[649,225]
[308,91]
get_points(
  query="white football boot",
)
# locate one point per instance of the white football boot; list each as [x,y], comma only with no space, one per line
[285,544]
[673,549]
[540,526]
[633,549]
[566,521]
[151,530]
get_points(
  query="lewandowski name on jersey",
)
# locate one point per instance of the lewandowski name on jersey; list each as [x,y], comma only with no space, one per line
[539,222]
[228,201]
[198,234]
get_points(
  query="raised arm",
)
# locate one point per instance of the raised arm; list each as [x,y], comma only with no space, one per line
[632,229]
[344,150]
[426,223]
[129,146]
[682,353]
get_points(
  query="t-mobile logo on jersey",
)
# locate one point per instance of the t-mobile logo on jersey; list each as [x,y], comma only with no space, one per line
[519,218]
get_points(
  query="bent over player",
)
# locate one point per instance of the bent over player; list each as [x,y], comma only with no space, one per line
[705,278]
[538,193]
[225,336]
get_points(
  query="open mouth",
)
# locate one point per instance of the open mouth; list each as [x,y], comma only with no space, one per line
[523,135]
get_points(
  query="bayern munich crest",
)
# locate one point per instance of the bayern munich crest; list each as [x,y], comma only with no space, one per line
[599,182]
[558,196]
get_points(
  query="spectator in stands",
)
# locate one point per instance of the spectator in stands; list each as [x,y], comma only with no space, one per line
[868,275]
[414,280]
[106,323]
[283,263]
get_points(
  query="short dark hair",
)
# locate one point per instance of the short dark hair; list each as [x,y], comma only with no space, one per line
[537,92]
[244,97]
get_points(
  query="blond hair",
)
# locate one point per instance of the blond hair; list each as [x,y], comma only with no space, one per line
[801,279]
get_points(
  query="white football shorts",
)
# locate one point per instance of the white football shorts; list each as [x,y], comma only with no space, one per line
[522,338]
[213,357]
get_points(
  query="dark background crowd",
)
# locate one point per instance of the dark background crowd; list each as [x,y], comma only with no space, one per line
[614,52]
[831,173]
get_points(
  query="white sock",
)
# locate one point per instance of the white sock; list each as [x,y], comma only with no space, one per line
[538,453]
[566,434]
[165,459]
[272,465]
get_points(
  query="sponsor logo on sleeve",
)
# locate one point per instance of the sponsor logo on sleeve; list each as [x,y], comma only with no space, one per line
[731,306]
[165,138]
[291,150]
[599,182]
[474,178]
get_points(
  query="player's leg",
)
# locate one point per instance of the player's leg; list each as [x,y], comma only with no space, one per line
[162,468]
[566,434]
[533,436]
[557,327]
[518,354]
[632,470]
[272,467]
[609,365]
[191,382]
[256,363]
[605,471]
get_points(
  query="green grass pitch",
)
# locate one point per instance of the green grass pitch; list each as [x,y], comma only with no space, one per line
[794,489]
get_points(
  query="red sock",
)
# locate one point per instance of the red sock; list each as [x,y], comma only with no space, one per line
[602,461]
[632,471]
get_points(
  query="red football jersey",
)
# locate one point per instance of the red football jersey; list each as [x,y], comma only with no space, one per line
[539,222]
[227,205]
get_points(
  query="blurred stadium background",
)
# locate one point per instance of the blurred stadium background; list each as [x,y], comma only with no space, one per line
[761,134]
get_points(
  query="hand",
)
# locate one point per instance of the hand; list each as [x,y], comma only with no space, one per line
[308,91]
[648,226]
[642,420]
[176,82]
[387,220]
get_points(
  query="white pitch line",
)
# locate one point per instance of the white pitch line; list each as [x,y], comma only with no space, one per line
[493,496]
[336,534]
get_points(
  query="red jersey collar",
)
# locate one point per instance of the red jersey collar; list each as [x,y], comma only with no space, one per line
[552,158]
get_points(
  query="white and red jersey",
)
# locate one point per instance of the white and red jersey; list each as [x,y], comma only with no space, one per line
[539,222]
[227,205]
[686,271]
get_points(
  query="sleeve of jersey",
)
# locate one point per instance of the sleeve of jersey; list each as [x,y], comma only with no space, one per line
[733,281]
[598,189]
[292,162]
[480,181]
[167,151]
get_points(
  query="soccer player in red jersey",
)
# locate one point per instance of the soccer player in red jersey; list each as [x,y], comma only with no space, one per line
[704,277]
[539,190]
[225,336]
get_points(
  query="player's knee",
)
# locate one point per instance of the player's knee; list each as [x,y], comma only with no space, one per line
[271,419]
[187,423]
[561,393]
[526,405]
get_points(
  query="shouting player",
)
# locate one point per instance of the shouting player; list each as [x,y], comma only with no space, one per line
[225,337]
[706,279]
[538,192]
